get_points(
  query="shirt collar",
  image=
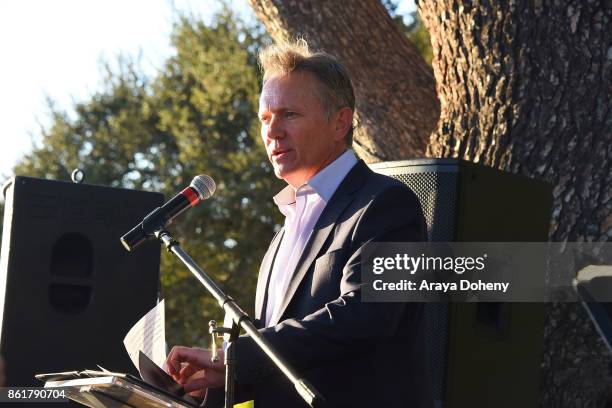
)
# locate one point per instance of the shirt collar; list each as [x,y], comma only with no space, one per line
[324,183]
[327,180]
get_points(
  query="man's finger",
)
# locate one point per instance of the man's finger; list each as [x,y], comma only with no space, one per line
[198,384]
[198,394]
[196,356]
[172,363]
[208,378]
[180,354]
[187,372]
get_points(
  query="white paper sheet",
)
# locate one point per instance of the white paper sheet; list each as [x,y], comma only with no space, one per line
[148,335]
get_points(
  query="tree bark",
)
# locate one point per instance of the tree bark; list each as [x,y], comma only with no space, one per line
[397,108]
[525,87]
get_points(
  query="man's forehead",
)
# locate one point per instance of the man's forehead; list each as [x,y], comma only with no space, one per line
[288,90]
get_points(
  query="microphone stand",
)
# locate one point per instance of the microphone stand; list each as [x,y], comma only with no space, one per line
[239,319]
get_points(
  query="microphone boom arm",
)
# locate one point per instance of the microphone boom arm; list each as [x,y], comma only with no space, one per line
[240,319]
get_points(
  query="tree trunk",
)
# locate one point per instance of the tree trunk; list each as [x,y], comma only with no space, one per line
[525,87]
[397,107]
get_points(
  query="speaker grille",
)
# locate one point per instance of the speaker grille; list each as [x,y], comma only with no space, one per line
[437,193]
[436,188]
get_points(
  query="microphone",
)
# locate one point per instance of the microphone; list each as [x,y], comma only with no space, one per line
[201,188]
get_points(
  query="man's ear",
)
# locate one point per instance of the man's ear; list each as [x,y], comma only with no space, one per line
[344,121]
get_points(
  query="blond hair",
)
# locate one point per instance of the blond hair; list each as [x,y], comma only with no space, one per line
[336,90]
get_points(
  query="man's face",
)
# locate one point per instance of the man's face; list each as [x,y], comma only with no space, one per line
[299,138]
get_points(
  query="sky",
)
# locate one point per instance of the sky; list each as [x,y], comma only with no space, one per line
[54,49]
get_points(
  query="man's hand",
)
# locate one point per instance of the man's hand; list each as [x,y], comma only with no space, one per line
[194,370]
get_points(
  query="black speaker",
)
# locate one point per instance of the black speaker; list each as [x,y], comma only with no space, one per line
[480,354]
[69,291]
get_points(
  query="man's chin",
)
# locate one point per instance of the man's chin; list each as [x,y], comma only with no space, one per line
[282,172]
[290,177]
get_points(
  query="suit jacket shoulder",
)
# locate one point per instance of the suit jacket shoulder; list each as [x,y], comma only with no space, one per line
[380,205]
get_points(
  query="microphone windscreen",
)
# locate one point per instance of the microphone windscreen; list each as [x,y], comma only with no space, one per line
[204,185]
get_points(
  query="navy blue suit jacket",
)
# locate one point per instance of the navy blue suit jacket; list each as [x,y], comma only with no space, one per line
[356,354]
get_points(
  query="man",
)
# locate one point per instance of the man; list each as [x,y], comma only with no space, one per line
[308,301]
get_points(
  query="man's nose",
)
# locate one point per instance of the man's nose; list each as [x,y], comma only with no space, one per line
[274,129]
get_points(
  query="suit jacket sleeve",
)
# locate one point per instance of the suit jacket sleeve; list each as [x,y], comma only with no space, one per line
[345,325]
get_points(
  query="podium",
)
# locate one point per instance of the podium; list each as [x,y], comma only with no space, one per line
[117,391]
[105,389]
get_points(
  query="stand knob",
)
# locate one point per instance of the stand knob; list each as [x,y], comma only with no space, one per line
[212,329]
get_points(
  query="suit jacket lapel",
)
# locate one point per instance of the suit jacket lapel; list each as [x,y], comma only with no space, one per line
[325,224]
[264,275]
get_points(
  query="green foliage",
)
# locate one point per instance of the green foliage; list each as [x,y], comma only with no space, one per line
[198,115]
[113,138]
[415,30]
[208,100]
[418,34]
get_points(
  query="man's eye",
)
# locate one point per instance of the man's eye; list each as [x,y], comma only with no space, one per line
[290,114]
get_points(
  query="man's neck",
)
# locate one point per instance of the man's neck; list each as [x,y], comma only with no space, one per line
[296,183]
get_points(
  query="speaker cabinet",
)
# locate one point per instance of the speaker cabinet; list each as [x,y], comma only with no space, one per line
[480,354]
[69,291]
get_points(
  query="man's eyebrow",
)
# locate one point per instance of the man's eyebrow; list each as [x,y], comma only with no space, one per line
[280,109]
